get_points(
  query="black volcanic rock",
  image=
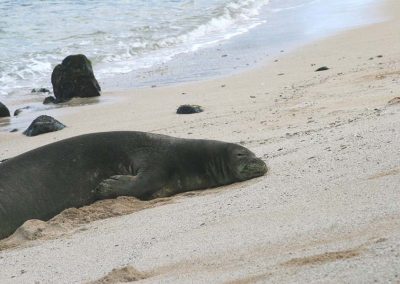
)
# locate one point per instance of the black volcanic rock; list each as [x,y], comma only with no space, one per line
[40,90]
[43,124]
[4,112]
[74,78]
[323,68]
[18,111]
[49,100]
[189,109]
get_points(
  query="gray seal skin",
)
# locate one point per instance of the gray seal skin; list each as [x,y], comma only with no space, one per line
[80,170]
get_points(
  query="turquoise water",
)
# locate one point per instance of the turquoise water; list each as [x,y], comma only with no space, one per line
[118,36]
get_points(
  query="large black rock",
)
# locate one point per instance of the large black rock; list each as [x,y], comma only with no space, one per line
[43,124]
[74,78]
[4,112]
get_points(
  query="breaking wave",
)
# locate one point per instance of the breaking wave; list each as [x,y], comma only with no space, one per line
[136,36]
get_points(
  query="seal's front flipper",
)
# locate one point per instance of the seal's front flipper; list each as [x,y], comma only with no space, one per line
[115,186]
[142,185]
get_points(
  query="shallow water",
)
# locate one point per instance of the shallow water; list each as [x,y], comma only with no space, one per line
[118,36]
[286,25]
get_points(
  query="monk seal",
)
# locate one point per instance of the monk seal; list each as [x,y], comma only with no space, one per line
[80,170]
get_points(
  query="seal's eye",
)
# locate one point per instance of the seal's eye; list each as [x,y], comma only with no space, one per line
[240,154]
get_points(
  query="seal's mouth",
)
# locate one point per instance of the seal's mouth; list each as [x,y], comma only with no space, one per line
[252,168]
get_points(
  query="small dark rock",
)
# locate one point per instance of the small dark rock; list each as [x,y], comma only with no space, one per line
[18,111]
[49,100]
[43,124]
[379,56]
[74,78]
[323,68]
[40,90]
[4,112]
[189,109]
[14,130]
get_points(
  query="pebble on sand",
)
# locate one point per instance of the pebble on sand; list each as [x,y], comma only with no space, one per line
[323,68]
[189,109]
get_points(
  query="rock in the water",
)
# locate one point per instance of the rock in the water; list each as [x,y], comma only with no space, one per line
[40,90]
[18,111]
[4,112]
[74,78]
[49,100]
[43,124]
[14,130]
[188,109]
[323,68]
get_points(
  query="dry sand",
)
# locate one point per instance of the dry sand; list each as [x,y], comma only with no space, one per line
[328,211]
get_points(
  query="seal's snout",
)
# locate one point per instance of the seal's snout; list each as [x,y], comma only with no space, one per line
[245,164]
[257,166]
[254,167]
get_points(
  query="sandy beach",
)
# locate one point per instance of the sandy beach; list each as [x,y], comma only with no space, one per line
[327,211]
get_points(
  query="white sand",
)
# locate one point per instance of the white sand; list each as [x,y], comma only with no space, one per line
[328,211]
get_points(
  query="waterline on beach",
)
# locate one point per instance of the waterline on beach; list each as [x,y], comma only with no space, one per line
[284,26]
[118,36]
[273,29]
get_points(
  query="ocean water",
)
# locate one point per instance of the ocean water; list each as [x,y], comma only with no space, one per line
[135,43]
[118,36]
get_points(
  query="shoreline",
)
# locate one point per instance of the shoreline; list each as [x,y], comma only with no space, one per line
[327,211]
[260,45]
[110,99]
[234,56]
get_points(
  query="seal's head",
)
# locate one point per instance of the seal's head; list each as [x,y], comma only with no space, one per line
[244,163]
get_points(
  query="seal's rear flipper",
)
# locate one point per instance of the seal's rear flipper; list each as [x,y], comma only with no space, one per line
[115,186]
